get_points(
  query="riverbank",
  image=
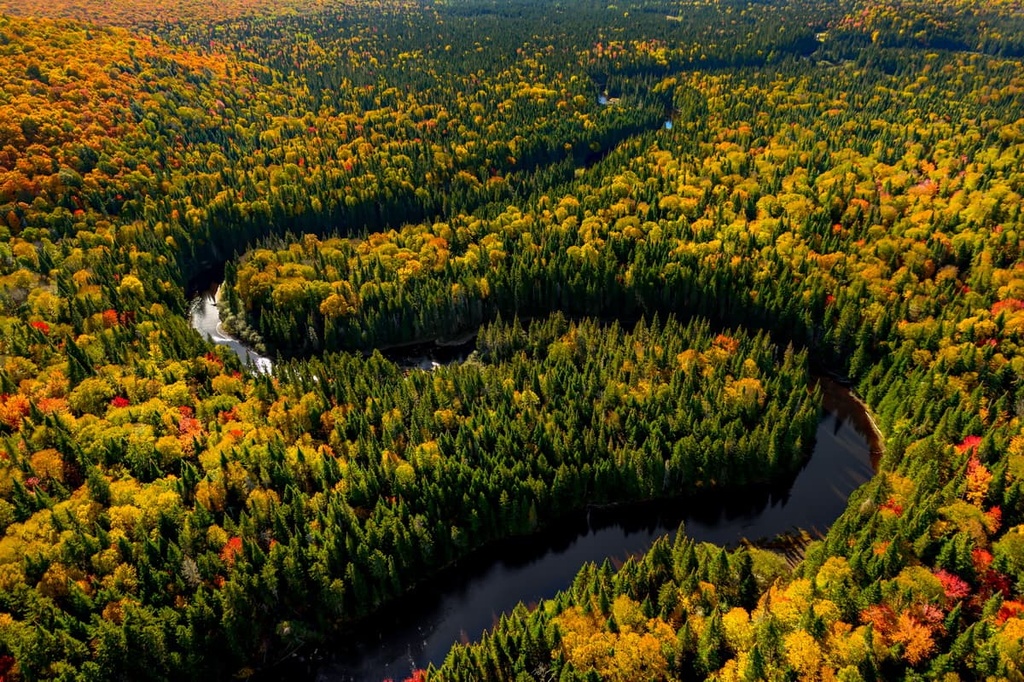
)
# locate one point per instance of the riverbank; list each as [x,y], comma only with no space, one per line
[835,396]
[467,598]
[462,600]
[205,319]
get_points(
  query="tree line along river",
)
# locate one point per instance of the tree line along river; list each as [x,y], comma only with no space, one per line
[465,600]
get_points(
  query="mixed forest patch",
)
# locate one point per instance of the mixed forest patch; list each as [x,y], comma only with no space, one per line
[846,177]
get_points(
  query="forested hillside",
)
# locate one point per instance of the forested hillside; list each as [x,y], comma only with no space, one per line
[659,220]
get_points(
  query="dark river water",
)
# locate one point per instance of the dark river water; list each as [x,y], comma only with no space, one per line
[463,602]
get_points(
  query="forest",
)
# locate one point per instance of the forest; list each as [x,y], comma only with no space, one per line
[659,221]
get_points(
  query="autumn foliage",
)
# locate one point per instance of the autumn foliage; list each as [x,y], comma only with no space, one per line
[840,188]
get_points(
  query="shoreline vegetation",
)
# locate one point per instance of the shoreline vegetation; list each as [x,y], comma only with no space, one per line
[792,543]
[375,173]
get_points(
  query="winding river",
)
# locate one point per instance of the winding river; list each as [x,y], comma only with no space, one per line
[461,603]
[206,320]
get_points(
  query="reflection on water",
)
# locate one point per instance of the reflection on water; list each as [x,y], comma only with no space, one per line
[461,604]
[206,320]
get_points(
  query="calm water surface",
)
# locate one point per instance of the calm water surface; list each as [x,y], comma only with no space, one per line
[460,604]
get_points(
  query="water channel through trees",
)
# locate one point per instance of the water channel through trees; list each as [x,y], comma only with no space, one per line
[464,601]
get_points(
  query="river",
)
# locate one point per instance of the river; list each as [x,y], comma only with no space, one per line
[461,603]
[206,320]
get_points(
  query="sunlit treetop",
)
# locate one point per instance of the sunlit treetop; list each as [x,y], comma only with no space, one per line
[146,12]
[949,24]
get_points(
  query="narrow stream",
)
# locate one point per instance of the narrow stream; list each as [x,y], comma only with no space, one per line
[206,320]
[460,604]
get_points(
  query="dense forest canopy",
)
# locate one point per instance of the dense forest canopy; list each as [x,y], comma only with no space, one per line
[656,217]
